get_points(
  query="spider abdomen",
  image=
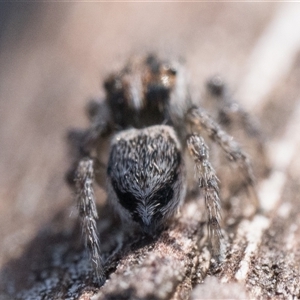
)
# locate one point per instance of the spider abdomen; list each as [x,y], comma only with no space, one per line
[145,175]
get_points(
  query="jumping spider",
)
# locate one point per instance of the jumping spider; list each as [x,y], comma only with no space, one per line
[150,120]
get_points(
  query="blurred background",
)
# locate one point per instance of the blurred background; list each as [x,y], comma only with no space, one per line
[54,56]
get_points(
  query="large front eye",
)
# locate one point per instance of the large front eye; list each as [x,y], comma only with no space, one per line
[157,92]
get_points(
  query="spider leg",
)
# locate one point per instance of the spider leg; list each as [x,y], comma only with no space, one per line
[83,142]
[233,117]
[208,181]
[200,121]
[100,117]
[88,213]
[231,111]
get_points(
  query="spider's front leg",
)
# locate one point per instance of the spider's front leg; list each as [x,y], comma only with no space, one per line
[208,181]
[200,121]
[83,142]
[88,213]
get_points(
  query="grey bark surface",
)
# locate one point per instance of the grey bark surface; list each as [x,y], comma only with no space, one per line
[53,62]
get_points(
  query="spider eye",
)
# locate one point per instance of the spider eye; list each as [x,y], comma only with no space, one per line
[170,70]
[153,63]
[157,92]
[216,86]
[115,92]
[113,85]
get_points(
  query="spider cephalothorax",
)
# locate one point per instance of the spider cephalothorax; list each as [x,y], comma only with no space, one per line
[139,94]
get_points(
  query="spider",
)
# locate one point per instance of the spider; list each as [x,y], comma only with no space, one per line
[150,121]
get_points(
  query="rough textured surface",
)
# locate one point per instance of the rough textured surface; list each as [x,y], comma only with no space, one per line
[52,61]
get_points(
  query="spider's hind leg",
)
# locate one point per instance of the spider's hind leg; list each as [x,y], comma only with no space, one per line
[238,122]
[208,181]
[88,213]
